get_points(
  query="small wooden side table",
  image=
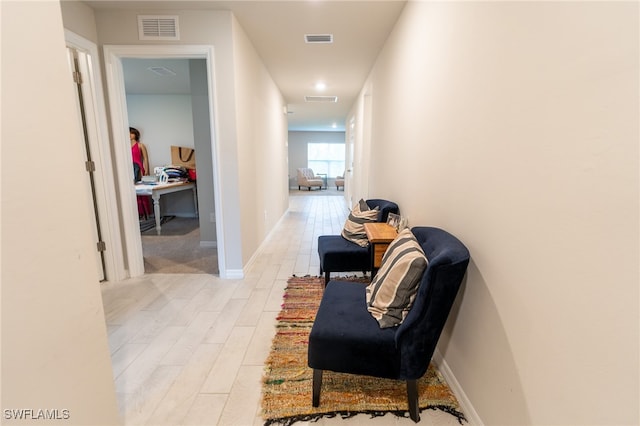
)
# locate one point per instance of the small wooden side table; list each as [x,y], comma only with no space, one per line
[380,236]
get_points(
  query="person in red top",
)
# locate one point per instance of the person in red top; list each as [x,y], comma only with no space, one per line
[139,154]
[140,168]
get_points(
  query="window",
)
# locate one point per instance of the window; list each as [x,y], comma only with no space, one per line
[326,158]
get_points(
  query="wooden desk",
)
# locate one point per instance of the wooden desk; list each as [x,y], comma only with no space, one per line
[158,189]
[380,236]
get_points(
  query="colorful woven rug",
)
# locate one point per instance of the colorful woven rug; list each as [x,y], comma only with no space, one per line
[286,386]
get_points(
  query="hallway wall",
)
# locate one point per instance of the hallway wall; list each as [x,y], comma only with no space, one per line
[261,145]
[54,342]
[516,124]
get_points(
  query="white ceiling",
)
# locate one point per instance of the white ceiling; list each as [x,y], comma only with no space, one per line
[139,79]
[277,29]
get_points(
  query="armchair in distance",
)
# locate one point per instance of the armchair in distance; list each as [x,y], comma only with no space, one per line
[306,177]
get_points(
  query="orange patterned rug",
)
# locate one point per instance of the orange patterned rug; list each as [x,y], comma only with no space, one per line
[286,385]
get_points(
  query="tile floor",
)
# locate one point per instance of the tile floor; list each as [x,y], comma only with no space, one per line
[188,349]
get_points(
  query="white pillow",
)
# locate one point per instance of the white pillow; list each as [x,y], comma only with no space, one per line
[353,229]
[393,290]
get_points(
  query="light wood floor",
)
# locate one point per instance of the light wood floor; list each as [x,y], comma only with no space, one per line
[188,349]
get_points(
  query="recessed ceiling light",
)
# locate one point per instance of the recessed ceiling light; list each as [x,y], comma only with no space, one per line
[320,86]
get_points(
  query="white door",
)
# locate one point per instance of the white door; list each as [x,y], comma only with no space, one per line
[92,124]
[348,174]
[78,63]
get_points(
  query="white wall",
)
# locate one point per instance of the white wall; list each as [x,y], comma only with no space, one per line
[79,18]
[164,120]
[202,114]
[261,145]
[514,125]
[54,342]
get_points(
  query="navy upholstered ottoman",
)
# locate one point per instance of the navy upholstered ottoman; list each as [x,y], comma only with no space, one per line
[338,254]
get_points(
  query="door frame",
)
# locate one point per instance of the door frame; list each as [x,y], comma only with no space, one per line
[365,148]
[350,153]
[113,55]
[97,129]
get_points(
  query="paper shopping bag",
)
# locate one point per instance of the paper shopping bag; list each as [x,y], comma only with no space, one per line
[183,156]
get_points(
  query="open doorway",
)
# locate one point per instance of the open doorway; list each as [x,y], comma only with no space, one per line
[200,135]
[168,105]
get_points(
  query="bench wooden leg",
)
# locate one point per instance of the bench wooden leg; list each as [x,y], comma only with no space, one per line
[412,397]
[317,384]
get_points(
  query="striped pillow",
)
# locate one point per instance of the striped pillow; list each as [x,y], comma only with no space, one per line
[393,290]
[353,229]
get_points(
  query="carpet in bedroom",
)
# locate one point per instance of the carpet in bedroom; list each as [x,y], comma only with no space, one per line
[177,250]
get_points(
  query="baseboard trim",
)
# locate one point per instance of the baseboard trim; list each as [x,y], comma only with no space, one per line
[253,258]
[233,274]
[185,215]
[465,404]
[209,244]
[250,262]
[237,274]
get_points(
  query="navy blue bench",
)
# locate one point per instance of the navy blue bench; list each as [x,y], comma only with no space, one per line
[338,254]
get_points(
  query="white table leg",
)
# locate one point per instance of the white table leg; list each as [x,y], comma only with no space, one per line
[156,210]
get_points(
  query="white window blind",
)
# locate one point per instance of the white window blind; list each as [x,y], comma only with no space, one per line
[327,158]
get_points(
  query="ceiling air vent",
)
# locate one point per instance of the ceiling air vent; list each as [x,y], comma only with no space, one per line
[321,99]
[318,38]
[155,27]
[161,71]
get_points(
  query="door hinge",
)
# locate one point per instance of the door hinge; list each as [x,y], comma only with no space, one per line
[102,246]
[77,77]
[90,166]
